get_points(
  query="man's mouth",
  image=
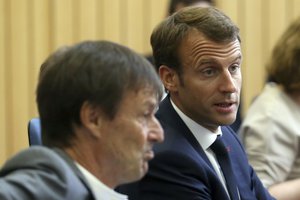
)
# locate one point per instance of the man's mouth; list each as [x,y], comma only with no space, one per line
[149,155]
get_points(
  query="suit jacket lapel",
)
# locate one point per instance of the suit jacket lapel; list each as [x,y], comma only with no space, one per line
[176,122]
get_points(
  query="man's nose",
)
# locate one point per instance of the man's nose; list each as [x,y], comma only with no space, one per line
[228,83]
[156,131]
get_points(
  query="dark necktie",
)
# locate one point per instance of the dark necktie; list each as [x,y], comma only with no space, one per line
[221,153]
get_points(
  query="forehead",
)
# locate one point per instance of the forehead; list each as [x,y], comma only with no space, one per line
[196,46]
[142,96]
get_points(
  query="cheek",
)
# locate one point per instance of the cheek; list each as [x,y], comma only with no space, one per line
[140,138]
[238,83]
[133,137]
[197,91]
[193,85]
[238,78]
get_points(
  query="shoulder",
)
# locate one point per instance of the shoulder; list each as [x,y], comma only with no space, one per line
[36,155]
[268,106]
[39,173]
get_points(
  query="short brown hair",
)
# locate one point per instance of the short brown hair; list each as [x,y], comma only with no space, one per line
[168,35]
[99,72]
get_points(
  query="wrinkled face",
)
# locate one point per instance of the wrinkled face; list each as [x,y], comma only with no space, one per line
[131,134]
[208,89]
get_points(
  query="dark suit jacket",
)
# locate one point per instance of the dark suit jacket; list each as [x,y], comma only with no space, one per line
[40,173]
[182,171]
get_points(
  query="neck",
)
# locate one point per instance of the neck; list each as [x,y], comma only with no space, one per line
[91,157]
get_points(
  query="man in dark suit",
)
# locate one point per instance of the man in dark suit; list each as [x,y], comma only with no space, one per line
[96,101]
[198,56]
[176,5]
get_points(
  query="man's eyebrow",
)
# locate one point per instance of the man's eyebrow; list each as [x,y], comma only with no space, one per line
[207,60]
[239,57]
[212,60]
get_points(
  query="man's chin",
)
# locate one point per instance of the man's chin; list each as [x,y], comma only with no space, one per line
[227,122]
[139,174]
[145,169]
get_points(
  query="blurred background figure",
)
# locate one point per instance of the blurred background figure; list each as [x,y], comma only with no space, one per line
[271,128]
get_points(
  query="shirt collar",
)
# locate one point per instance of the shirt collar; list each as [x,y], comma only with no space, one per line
[204,136]
[100,190]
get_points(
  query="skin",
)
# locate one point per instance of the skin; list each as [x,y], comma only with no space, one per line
[208,88]
[117,151]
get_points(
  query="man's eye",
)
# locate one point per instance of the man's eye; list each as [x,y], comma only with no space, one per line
[209,72]
[234,68]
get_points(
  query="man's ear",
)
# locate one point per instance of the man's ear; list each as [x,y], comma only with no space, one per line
[169,78]
[91,118]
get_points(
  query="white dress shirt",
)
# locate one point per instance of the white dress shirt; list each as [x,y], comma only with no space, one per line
[100,190]
[205,138]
